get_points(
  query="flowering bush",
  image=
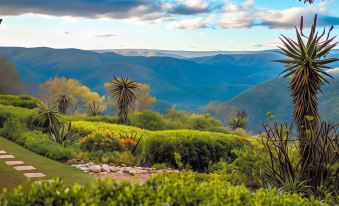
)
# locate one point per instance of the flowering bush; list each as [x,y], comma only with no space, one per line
[97,142]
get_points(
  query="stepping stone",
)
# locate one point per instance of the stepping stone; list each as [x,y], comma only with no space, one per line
[3,152]
[30,175]
[6,157]
[23,168]
[14,162]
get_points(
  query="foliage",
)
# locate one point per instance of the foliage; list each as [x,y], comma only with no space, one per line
[124,91]
[97,142]
[186,188]
[64,102]
[64,135]
[17,127]
[47,115]
[285,168]
[196,148]
[240,120]
[25,101]
[305,64]
[148,120]
[80,94]
[9,79]
[143,99]
[104,119]
[105,129]
[131,141]
[95,108]
[222,111]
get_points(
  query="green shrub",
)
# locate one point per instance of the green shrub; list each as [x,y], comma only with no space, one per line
[196,148]
[147,120]
[18,100]
[99,118]
[98,142]
[17,127]
[186,188]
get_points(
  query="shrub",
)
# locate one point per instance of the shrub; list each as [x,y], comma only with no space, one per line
[25,101]
[105,143]
[64,135]
[106,119]
[186,188]
[16,128]
[196,148]
[147,120]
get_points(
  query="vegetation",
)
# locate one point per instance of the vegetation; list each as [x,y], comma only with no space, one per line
[64,135]
[124,91]
[47,115]
[9,79]
[69,89]
[239,120]
[186,188]
[63,102]
[25,101]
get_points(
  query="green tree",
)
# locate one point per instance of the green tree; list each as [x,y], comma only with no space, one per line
[9,79]
[124,91]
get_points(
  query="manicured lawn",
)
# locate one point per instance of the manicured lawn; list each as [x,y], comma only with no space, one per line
[10,178]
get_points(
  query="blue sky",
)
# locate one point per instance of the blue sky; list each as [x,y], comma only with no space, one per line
[228,25]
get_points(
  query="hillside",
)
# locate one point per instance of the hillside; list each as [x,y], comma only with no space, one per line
[187,83]
[274,96]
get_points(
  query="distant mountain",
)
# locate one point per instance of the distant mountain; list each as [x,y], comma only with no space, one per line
[171,53]
[188,84]
[274,96]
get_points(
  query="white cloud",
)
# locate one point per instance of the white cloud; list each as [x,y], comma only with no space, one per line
[333,71]
[195,23]
[246,15]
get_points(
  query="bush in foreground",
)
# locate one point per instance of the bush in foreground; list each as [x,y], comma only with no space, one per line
[186,188]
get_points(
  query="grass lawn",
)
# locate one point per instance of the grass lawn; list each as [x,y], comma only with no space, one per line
[10,178]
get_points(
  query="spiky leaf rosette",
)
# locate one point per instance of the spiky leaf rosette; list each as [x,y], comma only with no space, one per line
[63,102]
[305,65]
[124,90]
[308,1]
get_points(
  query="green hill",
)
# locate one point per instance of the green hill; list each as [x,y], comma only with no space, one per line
[274,96]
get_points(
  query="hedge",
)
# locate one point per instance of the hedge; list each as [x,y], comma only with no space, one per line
[186,188]
[25,101]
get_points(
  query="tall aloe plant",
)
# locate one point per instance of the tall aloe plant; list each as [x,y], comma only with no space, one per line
[124,90]
[306,66]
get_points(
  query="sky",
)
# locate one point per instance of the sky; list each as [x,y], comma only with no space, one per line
[193,25]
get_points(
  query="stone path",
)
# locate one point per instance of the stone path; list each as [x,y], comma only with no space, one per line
[119,173]
[5,156]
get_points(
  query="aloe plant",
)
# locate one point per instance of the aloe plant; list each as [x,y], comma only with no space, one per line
[47,115]
[64,135]
[306,64]
[124,90]
[63,102]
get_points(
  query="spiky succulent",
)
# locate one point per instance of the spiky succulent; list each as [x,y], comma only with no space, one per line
[306,66]
[63,102]
[124,91]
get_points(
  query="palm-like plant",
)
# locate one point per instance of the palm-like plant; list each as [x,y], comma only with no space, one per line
[64,135]
[63,102]
[305,65]
[94,108]
[124,90]
[308,1]
[47,115]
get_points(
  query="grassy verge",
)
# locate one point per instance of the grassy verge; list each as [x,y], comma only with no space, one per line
[11,178]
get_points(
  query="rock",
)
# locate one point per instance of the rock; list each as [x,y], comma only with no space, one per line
[125,170]
[84,169]
[95,168]
[134,172]
[91,164]
[105,168]
[114,169]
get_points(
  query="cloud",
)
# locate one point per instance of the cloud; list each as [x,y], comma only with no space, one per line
[195,23]
[105,35]
[117,9]
[188,7]
[246,15]
[333,71]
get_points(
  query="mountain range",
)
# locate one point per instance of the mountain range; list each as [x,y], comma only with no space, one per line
[187,79]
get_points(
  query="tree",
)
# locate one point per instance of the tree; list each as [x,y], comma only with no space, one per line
[143,99]
[9,79]
[64,102]
[81,95]
[305,64]
[124,91]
